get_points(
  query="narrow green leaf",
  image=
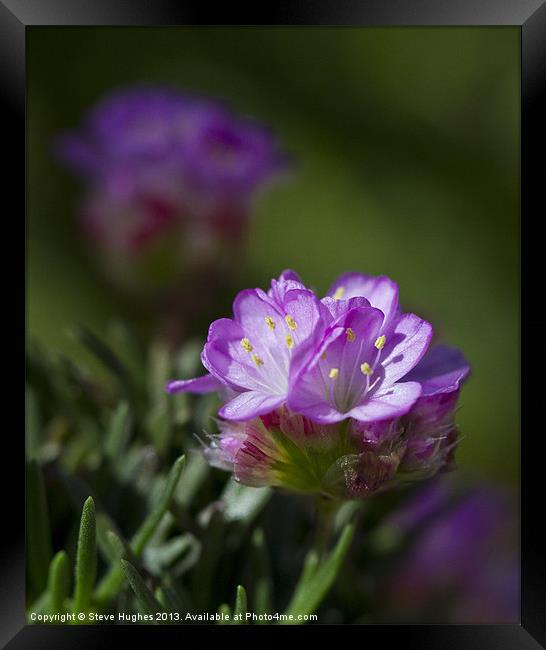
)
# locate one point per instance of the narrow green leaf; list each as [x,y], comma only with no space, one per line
[119,431]
[152,520]
[145,597]
[195,473]
[176,593]
[240,605]
[158,558]
[112,581]
[86,558]
[159,420]
[243,503]
[114,548]
[105,544]
[102,352]
[213,544]
[118,548]
[39,550]
[39,606]
[58,584]
[170,601]
[226,616]
[317,581]
[262,593]
[310,566]
[163,600]
[123,341]
[159,427]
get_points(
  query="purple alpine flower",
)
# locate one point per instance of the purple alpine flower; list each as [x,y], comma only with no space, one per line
[254,353]
[335,396]
[137,137]
[352,364]
[168,176]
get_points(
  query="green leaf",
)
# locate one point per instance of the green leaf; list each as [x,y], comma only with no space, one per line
[169,600]
[38,532]
[195,473]
[240,606]
[106,546]
[317,579]
[262,593]
[225,612]
[152,520]
[213,545]
[119,431]
[86,558]
[159,371]
[102,352]
[58,584]
[243,503]
[176,594]
[112,581]
[145,597]
[114,548]
[123,341]
[159,427]
[119,549]
[162,599]
[158,558]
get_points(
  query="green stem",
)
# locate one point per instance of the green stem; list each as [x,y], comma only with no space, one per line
[326,510]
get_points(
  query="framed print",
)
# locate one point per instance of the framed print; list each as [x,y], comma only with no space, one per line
[277,372]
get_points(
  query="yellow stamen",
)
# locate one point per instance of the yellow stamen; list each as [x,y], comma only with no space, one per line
[380,342]
[270,322]
[289,341]
[351,336]
[334,372]
[366,369]
[257,360]
[290,322]
[246,345]
[338,295]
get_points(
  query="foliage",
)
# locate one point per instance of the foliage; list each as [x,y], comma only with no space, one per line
[125,516]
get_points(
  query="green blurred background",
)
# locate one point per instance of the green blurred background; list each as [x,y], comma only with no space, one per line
[407,143]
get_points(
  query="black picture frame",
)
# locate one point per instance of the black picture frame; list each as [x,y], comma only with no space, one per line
[16,16]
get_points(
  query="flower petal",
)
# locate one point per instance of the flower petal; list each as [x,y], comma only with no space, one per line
[395,402]
[406,344]
[249,405]
[339,308]
[380,290]
[289,274]
[199,385]
[441,370]
[332,382]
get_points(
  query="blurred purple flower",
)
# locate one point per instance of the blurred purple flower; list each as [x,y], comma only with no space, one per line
[163,166]
[133,137]
[463,565]
[320,388]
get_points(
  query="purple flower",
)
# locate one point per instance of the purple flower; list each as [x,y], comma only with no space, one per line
[339,388]
[163,166]
[328,360]
[254,353]
[464,559]
[134,137]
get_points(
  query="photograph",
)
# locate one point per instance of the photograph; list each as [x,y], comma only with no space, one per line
[272,325]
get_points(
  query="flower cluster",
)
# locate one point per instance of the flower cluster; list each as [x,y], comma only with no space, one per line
[168,172]
[333,395]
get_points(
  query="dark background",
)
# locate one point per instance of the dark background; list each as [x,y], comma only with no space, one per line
[408,149]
